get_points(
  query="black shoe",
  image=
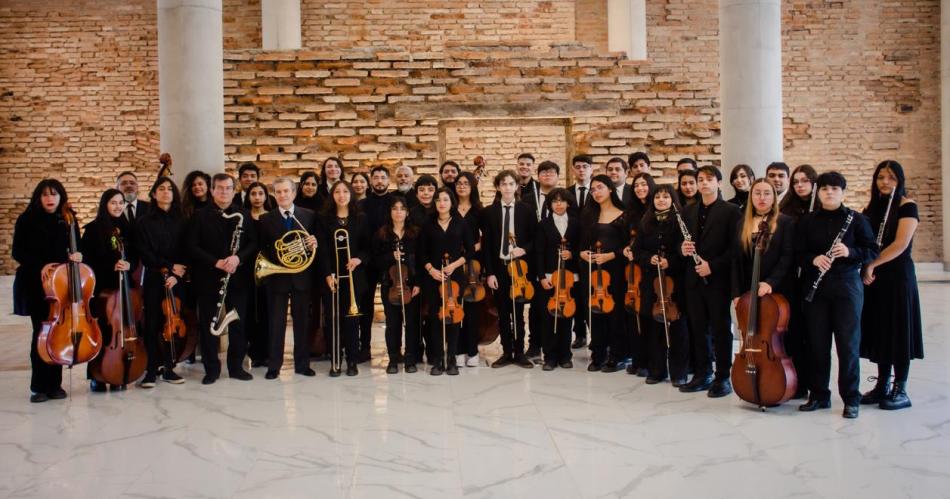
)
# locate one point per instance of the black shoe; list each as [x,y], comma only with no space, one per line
[699,383]
[643,372]
[678,382]
[209,379]
[57,394]
[877,394]
[36,398]
[610,367]
[579,343]
[364,356]
[593,367]
[502,361]
[97,386]
[896,399]
[411,368]
[549,366]
[335,373]
[170,376]
[850,411]
[351,369]
[452,370]
[272,374]
[241,375]
[306,371]
[522,361]
[149,381]
[655,379]
[436,370]
[814,404]
[258,363]
[392,368]
[533,352]
[631,369]
[719,388]
[567,364]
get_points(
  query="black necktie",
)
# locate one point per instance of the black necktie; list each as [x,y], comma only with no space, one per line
[287,224]
[504,237]
[583,198]
[130,212]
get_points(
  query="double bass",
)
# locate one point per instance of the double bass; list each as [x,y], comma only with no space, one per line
[762,374]
[70,335]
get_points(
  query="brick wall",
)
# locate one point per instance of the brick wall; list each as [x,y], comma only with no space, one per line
[241,23]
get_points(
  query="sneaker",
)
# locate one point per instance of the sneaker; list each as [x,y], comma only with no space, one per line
[460,360]
[472,361]
[148,381]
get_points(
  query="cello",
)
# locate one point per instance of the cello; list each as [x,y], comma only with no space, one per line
[124,360]
[762,374]
[70,335]
[601,302]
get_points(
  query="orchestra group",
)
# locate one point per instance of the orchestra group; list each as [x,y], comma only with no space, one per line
[647,275]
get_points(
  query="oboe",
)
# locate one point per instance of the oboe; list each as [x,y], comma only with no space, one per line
[887,211]
[838,238]
[687,237]
[223,316]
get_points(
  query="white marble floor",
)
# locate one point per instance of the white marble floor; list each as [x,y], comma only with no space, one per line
[486,433]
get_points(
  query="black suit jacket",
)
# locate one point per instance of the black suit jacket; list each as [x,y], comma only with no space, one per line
[272,228]
[492,218]
[777,260]
[714,243]
[573,190]
[629,199]
[548,242]
[209,239]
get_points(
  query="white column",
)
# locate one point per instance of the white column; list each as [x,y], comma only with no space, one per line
[627,28]
[280,24]
[191,84]
[945,125]
[750,80]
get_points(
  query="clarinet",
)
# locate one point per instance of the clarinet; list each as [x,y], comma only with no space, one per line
[887,211]
[838,238]
[687,237]
[223,317]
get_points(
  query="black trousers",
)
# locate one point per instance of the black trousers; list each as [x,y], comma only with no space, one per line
[237,298]
[348,343]
[438,349]
[158,353]
[367,304]
[709,319]
[557,338]
[512,342]
[836,312]
[608,335]
[277,330]
[796,340]
[44,378]
[394,328]
[469,334]
[580,318]
[676,353]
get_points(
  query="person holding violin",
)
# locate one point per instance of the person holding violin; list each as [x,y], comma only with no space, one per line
[655,250]
[397,242]
[158,236]
[555,248]
[582,169]
[603,236]
[641,197]
[548,175]
[40,238]
[470,209]
[444,242]
[509,227]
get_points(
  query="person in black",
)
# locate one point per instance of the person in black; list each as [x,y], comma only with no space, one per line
[102,256]
[891,332]
[448,172]
[835,308]
[158,235]
[505,217]
[616,169]
[307,192]
[712,225]
[560,226]
[375,206]
[331,172]
[208,243]
[398,237]
[582,168]
[194,192]
[603,222]
[528,187]
[656,243]
[258,202]
[40,239]
[280,287]
[445,233]
[342,269]
[248,174]
[536,197]
[641,198]
[470,209]
[801,200]
[421,210]
[741,178]
[687,186]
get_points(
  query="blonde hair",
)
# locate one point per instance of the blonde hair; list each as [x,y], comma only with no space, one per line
[747,225]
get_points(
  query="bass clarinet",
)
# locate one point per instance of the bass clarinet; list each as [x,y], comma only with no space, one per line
[223,317]
[838,238]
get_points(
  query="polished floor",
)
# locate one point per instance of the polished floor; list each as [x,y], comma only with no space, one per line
[508,433]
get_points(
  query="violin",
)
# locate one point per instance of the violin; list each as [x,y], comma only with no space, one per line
[70,335]
[601,302]
[474,282]
[451,311]
[164,165]
[762,373]
[400,293]
[175,331]
[124,360]
[561,303]
[522,290]
[631,299]
[665,309]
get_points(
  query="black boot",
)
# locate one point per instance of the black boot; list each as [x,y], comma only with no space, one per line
[879,393]
[897,398]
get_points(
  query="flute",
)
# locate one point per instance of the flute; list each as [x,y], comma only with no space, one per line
[887,211]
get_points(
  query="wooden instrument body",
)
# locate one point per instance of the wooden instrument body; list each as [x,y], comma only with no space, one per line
[400,293]
[451,310]
[631,299]
[70,335]
[762,373]
[562,303]
[664,308]
[522,291]
[601,301]
[179,331]
[487,319]
[474,291]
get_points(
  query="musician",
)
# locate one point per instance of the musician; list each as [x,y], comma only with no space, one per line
[423,208]
[307,192]
[527,186]
[128,184]
[617,171]
[642,190]
[505,217]
[360,183]
[685,164]
[208,243]
[561,225]
[712,224]
[643,186]
[375,206]
[194,192]
[404,184]
[257,203]
[604,222]
[891,333]
[658,238]
[448,172]
[248,173]
[40,238]
[395,232]
[331,172]
[582,168]
[548,175]
[687,188]
[343,212]
[741,178]
[639,163]
[836,306]
[778,175]
[470,209]
[796,206]
[444,233]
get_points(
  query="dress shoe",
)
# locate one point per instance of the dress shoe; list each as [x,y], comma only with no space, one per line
[610,367]
[97,386]
[335,372]
[699,383]
[850,411]
[306,371]
[436,370]
[678,382]
[522,361]
[36,398]
[896,399]
[502,361]
[533,352]
[170,376]
[657,379]
[272,374]
[209,379]
[566,364]
[148,381]
[351,369]
[57,394]
[594,367]
[411,368]
[392,368]
[877,394]
[258,363]
[814,405]
[452,370]
[579,342]
[719,388]
[549,366]
[631,369]
[241,375]
[643,372]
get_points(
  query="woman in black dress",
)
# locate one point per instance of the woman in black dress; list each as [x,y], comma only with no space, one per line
[603,222]
[891,333]
[470,209]
[307,192]
[643,187]
[399,234]
[40,238]
[257,202]
[741,178]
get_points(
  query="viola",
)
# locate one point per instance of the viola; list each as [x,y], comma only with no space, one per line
[762,373]
[522,290]
[601,302]
[400,293]
[474,282]
[70,335]
[631,299]
[665,309]
[451,311]
[175,331]
[561,303]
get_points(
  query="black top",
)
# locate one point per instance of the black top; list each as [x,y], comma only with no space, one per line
[419,215]
[713,228]
[660,237]
[777,260]
[98,251]
[158,237]
[740,199]
[271,228]
[435,242]
[548,244]
[815,233]
[613,237]
[208,239]
[384,244]
[473,224]
[375,208]
[525,223]
[311,203]
[39,238]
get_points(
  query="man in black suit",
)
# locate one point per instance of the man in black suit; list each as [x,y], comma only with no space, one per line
[295,287]
[376,208]
[712,224]
[617,171]
[582,167]
[128,183]
[548,175]
[208,243]
[527,185]
[507,216]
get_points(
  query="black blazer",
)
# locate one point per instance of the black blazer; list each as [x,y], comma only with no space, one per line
[492,218]
[777,260]
[272,228]
[573,190]
[208,240]
[714,243]
[548,243]
[651,240]
[629,198]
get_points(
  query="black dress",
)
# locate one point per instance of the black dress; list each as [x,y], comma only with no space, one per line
[608,332]
[891,329]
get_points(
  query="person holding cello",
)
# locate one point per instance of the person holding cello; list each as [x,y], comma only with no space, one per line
[40,238]
[555,250]
[158,235]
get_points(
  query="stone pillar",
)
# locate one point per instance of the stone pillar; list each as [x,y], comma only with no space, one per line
[945,126]
[191,84]
[627,27]
[750,80]
[280,24]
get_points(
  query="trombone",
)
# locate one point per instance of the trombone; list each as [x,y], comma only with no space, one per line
[341,238]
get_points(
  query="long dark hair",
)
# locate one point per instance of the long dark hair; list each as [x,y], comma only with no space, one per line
[409,229]
[649,220]
[453,211]
[104,222]
[679,191]
[323,173]
[878,204]
[175,209]
[793,205]
[268,204]
[353,207]
[591,214]
[51,185]
[472,181]
[303,178]
[188,202]
[651,185]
